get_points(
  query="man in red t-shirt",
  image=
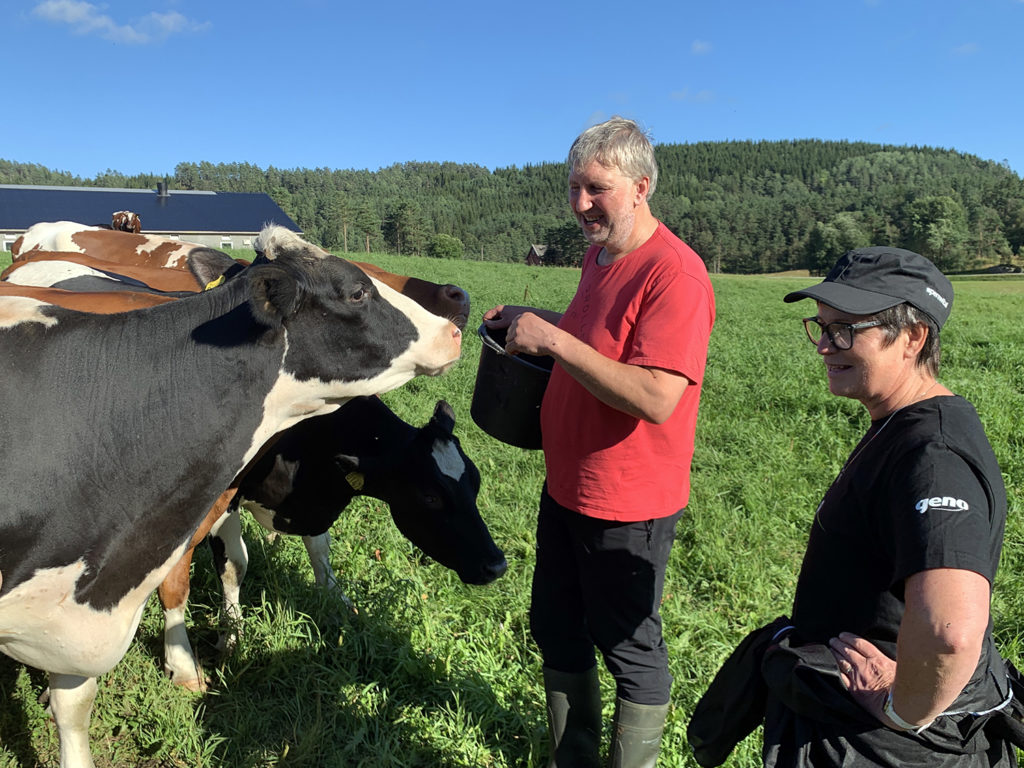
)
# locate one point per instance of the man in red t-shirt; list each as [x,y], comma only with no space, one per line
[617,422]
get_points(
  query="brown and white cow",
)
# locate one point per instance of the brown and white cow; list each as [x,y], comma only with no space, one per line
[182,395]
[126,221]
[84,272]
[154,251]
[97,303]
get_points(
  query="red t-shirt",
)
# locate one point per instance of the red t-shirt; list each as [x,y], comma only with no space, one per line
[654,307]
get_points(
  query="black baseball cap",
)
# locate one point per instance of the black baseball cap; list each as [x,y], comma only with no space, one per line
[867,280]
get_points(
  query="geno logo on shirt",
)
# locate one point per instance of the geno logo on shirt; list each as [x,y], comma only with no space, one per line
[942,504]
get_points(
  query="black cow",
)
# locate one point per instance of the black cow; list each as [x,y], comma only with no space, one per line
[118,432]
[310,474]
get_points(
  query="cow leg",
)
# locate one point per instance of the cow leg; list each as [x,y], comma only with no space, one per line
[71,698]
[180,663]
[231,559]
[319,550]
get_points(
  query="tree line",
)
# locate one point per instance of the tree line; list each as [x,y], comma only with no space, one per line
[745,207]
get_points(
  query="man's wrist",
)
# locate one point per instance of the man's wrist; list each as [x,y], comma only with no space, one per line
[889,711]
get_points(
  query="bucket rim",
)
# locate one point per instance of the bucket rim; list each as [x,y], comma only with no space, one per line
[496,347]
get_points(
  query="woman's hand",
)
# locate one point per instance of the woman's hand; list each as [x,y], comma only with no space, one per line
[865,671]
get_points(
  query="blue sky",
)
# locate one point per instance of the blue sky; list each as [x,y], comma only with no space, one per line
[138,86]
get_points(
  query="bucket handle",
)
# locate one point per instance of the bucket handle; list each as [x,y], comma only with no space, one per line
[496,347]
[488,341]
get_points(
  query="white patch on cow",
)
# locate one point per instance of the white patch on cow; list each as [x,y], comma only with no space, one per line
[448,459]
[264,516]
[43,274]
[15,310]
[54,236]
[43,626]
[290,401]
[174,258]
[273,238]
[439,344]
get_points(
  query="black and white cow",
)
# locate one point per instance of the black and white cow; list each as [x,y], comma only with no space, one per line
[119,432]
[310,474]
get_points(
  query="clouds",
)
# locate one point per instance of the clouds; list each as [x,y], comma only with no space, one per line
[693,97]
[87,19]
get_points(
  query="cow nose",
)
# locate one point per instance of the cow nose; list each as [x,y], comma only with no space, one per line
[495,570]
[455,294]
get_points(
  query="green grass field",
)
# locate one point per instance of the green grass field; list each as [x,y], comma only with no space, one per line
[435,673]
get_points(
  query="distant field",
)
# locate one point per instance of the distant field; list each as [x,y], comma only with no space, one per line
[434,673]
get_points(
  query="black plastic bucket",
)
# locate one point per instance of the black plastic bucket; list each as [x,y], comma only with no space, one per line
[508,391]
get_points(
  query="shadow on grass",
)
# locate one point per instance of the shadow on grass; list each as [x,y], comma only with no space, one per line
[359,693]
[325,689]
[15,727]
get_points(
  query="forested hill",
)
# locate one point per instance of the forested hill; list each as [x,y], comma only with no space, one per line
[744,206]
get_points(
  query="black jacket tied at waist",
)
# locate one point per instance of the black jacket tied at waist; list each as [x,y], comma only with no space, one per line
[800,686]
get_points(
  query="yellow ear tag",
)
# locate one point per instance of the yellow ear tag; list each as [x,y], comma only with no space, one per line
[355,479]
[214,283]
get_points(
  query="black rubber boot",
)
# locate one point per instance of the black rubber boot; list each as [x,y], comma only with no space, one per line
[636,734]
[574,718]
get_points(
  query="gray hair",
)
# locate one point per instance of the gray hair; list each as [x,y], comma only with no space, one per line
[903,316]
[617,143]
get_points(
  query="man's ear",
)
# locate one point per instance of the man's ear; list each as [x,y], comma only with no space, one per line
[275,294]
[642,187]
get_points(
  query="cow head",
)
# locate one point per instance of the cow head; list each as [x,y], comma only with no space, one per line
[348,321]
[126,221]
[431,488]
[445,300]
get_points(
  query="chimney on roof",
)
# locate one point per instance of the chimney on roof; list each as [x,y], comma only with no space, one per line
[161,189]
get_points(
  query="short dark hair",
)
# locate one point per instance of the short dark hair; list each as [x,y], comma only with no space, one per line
[903,316]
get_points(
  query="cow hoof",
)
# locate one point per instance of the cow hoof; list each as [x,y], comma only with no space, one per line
[227,643]
[197,684]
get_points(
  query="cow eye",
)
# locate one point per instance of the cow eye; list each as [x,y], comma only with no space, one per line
[358,295]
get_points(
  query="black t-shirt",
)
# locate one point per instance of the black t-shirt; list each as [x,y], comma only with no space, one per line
[922,490]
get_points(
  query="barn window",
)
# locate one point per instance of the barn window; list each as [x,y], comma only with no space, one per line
[226,242]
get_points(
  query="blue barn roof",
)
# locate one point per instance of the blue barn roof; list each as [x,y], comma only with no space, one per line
[173,211]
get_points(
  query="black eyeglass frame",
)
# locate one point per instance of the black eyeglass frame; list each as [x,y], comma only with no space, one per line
[826,328]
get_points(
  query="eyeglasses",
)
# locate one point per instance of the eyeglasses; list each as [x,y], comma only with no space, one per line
[840,334]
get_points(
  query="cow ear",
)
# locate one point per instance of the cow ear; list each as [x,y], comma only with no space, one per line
[346,463]
[444,416]
[209,265]
[350,468]
[275,294]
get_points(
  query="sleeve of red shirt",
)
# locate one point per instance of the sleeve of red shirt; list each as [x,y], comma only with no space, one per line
[674,326]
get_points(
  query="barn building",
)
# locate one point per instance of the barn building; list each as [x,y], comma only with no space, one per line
[216,219]
[535,257]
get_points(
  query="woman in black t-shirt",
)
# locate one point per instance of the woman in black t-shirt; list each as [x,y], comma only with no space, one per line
[903,549]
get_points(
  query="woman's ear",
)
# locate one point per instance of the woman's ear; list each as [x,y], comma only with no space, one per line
[916,337]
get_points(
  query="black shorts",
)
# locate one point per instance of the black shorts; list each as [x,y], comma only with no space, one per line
[599,583]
